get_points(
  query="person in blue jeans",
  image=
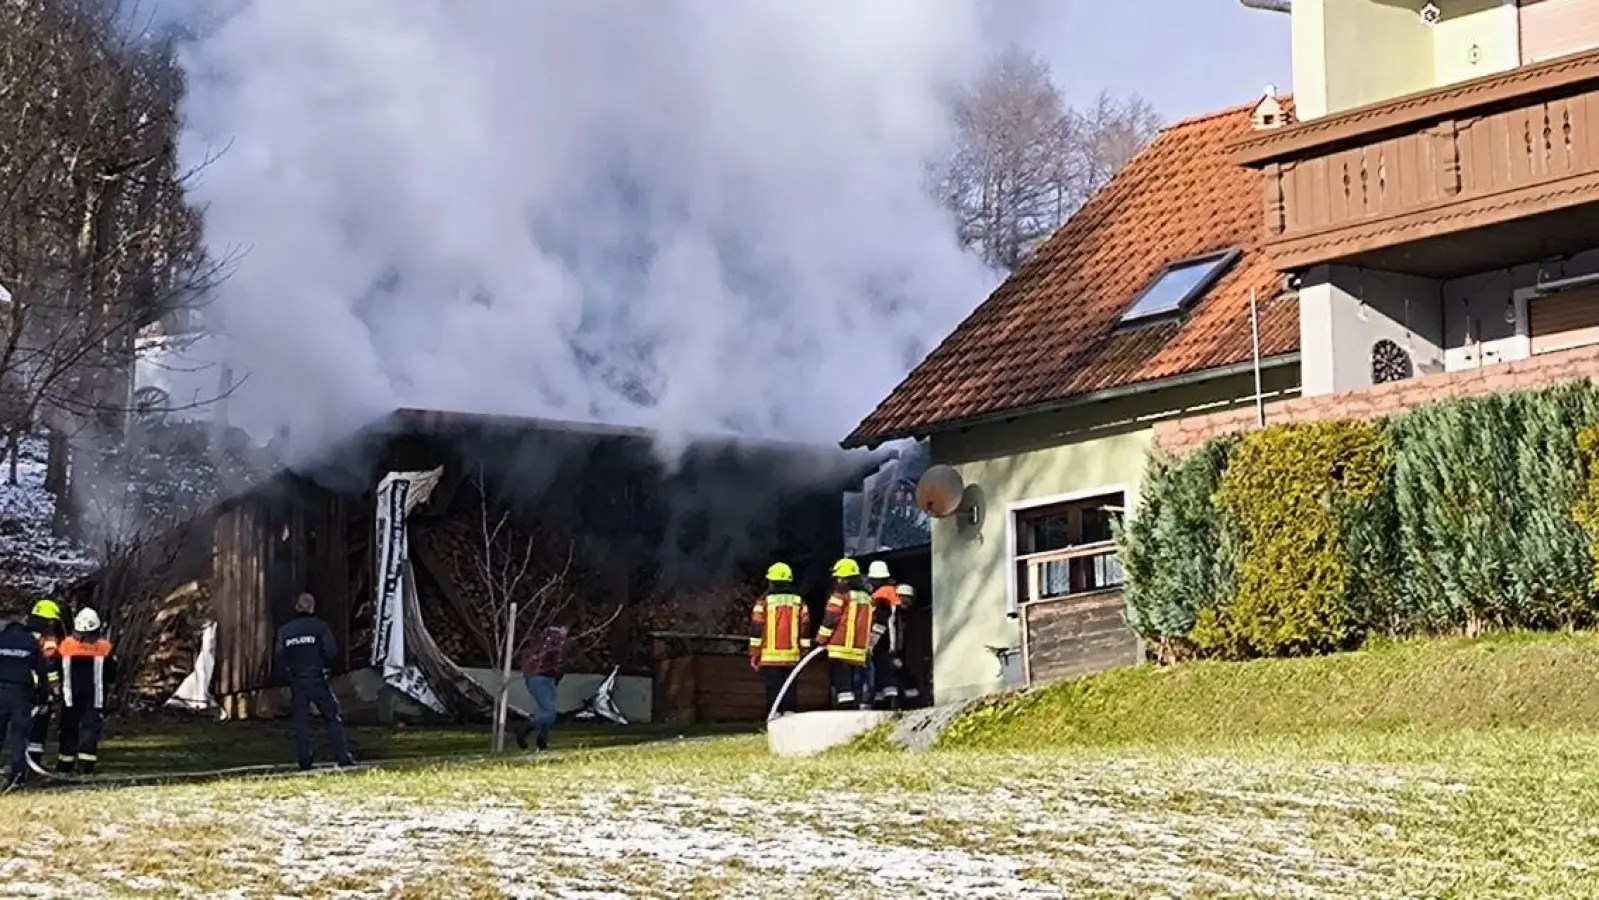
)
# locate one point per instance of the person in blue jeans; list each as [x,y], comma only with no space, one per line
[542,668]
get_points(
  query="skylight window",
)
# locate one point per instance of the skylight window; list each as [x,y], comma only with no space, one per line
[1178,287]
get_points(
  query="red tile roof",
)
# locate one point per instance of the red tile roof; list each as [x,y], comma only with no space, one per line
[1048,334]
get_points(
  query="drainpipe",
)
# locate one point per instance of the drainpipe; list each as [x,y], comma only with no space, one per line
[1281,6]
[1254,339]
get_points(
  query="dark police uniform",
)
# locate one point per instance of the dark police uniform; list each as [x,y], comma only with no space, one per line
[305,649]
[24,674]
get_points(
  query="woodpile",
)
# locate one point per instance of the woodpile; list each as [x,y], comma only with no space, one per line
[584,587]
[167,644]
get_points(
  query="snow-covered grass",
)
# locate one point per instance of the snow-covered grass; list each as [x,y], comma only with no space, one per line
[32,559]
[1504,814]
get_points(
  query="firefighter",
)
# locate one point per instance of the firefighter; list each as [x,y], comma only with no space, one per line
[894,686]
[846,631]
[305,648]
[24,681]
[45,623]
[87,672]
[779,627]
[885,598]
[909,693]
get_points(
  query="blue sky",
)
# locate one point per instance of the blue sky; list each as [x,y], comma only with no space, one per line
[1186,57]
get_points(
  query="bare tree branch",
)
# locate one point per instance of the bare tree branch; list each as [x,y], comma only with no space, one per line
[1024,161]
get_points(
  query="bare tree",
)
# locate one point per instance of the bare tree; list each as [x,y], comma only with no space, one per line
[1024,162]
[97,241]
[505,565]
[150,582]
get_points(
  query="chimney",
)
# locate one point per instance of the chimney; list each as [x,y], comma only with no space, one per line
[1269,113]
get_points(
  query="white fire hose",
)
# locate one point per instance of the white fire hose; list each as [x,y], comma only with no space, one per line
[815,652]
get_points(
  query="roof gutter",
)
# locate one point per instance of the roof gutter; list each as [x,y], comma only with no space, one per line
[1281,6]
[1115,393]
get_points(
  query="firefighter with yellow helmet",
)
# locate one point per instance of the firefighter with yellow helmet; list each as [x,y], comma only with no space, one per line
[45,623]
[779,635]
[846,632]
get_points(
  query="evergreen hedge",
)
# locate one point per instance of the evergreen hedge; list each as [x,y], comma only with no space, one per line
[1288,498]
[1587,511]
[1172,551]
[1486,490]
[1469,514]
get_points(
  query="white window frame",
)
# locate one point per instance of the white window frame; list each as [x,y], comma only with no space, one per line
[1013,606]
[1012,589]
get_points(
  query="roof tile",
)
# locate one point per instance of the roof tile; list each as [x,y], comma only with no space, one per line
[1049,332]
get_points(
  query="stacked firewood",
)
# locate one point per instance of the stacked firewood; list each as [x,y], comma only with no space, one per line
[170,643]
[609,600]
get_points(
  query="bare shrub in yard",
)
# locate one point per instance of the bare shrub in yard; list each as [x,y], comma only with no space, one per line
[149,592]
[492,562]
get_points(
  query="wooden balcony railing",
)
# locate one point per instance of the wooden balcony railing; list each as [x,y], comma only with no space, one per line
[1076,570]
[1443,162]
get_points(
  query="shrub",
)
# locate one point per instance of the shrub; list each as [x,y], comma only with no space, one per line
[1487,492]
[1290,499]
[1172,549]
[1586,512]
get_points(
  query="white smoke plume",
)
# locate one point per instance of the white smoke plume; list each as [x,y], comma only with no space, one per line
[694,216]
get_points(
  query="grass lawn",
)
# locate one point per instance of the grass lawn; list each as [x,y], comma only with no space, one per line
[1401,794]
[167,744]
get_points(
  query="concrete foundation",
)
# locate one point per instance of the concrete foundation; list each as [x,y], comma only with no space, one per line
[806,734]
[634,695]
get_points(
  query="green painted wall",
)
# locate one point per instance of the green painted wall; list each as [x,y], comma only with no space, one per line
[1079,449]
[1348,53]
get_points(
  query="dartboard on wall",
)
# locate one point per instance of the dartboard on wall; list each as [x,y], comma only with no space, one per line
[1390,362]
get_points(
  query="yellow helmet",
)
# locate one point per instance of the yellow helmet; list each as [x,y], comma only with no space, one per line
[846,568]
[779,572]
[47,609]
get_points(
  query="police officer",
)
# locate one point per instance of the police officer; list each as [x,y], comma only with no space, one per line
[305,649]
[24,684]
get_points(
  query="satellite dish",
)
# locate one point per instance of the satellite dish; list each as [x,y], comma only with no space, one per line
[941,493]
[938,492]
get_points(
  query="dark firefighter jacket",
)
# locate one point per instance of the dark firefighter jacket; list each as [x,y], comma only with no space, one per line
[22,663]
[305,649]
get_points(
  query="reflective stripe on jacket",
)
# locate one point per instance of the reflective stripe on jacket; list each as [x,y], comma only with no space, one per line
[86,671]
[50,647]
[847,627]
[778,626]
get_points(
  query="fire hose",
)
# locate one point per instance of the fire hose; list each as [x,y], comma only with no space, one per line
[815,652]
[259,772]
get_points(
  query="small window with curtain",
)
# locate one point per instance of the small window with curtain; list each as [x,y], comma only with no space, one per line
[1067,549]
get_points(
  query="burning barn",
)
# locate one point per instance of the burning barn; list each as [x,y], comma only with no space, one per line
[420,531]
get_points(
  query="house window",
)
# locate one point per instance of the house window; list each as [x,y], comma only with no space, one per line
[1178,287]
[1067,549]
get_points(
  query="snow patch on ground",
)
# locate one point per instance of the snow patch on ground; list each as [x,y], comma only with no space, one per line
[1054,829]
[32,559]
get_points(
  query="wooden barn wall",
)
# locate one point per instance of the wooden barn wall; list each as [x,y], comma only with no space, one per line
[240,598]
[328,575]
[268,549]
